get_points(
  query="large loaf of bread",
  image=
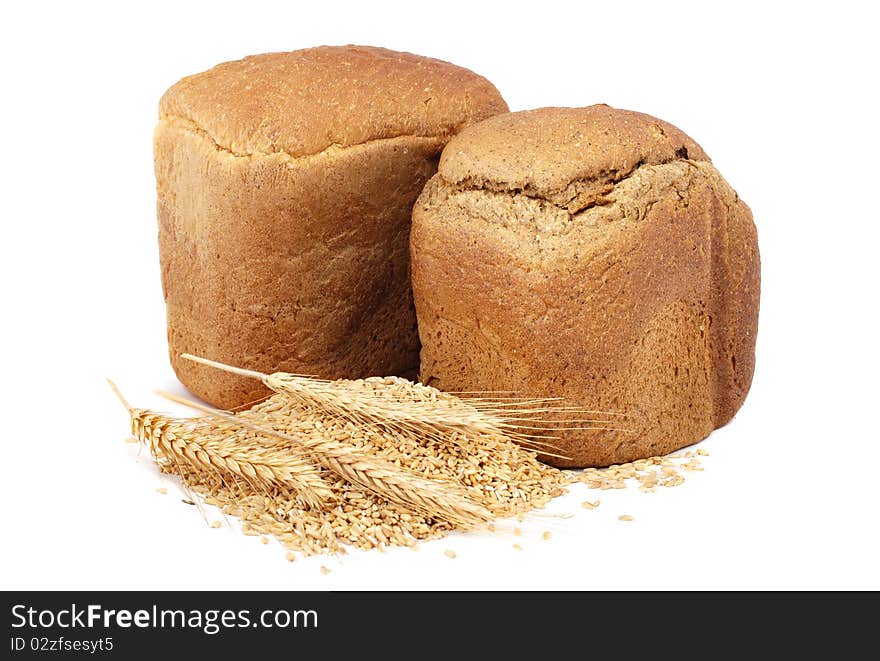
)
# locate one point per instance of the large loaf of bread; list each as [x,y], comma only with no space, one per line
[594,254]
[285,188]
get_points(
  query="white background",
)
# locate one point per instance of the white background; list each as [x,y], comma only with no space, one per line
[783,98]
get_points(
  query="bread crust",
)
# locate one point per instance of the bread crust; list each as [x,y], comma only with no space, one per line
[301,102]
[638,295]
[284,202]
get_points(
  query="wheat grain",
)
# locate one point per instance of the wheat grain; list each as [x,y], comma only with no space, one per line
[650,473]
[488,471]
[506,479]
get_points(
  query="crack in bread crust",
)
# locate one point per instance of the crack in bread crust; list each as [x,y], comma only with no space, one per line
[579,195]
[629,199]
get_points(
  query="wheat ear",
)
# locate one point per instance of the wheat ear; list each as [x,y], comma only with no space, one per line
[183,441]
[350,400]
[441,500]
[408,408]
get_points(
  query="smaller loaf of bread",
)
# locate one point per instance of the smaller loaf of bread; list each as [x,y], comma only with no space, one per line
[285,189]
[593,254]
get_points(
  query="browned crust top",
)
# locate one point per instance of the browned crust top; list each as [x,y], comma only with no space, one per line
[302,102]
[565,155]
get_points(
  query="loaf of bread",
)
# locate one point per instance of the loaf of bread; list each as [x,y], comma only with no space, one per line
[285,189]
[593,254]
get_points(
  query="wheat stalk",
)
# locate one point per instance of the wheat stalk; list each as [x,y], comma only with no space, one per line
[402,407]
[435,498]
[210,448]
